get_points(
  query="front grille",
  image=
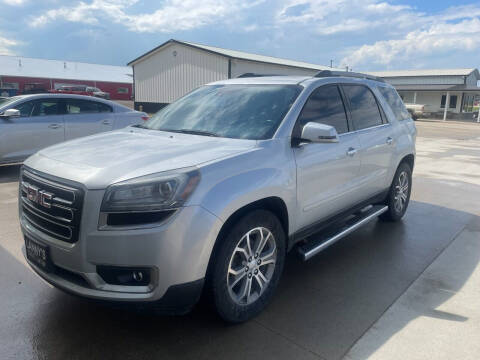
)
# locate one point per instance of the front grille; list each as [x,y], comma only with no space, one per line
[51,207]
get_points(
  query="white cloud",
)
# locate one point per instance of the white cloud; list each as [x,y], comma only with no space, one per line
[327,17]
[437,39]
[14,2]
[6,45]
[173,15]
[362,33]
[392,35]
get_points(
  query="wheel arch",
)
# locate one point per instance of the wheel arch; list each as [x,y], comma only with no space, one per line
[273,203]
[409,159]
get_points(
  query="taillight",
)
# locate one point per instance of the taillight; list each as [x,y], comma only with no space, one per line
[145,117]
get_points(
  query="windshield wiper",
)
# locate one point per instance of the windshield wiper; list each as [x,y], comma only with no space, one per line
[193,132]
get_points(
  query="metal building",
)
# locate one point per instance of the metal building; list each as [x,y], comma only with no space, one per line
[174,68]
[20,75]
[446,94]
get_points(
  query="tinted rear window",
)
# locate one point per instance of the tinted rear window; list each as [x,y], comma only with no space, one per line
[395,102]
[363,106]
[85,106]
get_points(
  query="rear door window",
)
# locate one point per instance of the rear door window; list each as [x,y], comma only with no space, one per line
[325,106]
[75,106]
[395,103]
[363,106]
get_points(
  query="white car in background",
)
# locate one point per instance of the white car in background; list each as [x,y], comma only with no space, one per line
[29,123]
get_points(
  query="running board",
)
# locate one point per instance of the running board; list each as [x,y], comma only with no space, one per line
[321,242]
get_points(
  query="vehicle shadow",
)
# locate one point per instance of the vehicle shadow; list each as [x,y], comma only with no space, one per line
[320,309]
[9,173]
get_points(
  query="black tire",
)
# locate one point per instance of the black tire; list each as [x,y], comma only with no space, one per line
[223,297]
[394,213]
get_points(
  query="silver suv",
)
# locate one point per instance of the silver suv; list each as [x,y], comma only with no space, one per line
[212,192]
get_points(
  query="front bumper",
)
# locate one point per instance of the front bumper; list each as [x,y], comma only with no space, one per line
[177,300]
[177,251]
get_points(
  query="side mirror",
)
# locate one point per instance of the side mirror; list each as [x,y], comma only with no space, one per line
[11,113]
[319,133]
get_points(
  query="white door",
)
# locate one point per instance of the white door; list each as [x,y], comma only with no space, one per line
[327,174]
[86,117]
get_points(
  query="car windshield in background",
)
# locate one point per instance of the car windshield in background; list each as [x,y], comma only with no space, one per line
[234,111]
[6,101]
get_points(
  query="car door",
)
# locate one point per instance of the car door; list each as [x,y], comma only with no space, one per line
[376,138]
[86,117]
[327,173]
[39,125]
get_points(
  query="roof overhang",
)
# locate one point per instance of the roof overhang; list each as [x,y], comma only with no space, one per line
[464,88]
[395,74]
[161,46]
[191,45]
[67,78]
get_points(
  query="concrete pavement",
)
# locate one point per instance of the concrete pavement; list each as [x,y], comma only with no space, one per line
[438,316]
[323,309]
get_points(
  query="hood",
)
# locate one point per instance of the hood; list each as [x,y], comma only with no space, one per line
[100,160]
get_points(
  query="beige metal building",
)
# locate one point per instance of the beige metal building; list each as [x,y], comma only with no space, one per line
[174,68]
[446,93]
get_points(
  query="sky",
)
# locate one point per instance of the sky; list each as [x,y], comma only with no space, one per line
[361,34]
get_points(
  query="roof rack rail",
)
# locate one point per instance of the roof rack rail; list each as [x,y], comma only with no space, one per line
[330,73]
[249,75]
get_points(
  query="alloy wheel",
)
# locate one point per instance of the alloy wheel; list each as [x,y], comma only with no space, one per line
[251,266]
[401,192]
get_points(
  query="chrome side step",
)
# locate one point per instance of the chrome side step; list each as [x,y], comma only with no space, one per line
[324,240]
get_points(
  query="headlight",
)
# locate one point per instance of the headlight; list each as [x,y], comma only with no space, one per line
[168,190]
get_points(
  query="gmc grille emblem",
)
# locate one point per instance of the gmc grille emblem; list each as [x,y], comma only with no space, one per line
[41,197]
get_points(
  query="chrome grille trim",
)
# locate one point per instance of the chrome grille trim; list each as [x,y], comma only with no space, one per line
[60,216]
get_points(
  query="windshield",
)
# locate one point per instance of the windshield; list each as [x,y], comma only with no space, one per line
[7,101]
[233,111]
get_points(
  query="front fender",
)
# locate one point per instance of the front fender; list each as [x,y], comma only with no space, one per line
[232,184]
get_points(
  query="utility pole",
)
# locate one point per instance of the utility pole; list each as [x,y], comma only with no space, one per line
[331,63]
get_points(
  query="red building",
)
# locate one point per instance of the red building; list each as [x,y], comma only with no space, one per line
[19,75]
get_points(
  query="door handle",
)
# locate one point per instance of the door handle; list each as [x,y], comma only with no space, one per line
[107,122]
[351,151]
[54,126]
[389,140]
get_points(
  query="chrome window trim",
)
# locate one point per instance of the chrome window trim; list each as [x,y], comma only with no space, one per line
[366,129]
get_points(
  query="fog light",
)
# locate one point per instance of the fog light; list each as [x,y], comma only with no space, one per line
[138,276]
[116,275]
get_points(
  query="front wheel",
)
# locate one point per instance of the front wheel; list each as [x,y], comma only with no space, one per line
[248,266]
[399,194]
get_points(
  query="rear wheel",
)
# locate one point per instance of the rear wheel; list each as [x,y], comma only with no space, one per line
[399,194]
[248,266]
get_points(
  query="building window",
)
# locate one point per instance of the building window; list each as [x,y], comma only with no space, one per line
[122,90]
[469,101]
[453,102]
[9,85]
